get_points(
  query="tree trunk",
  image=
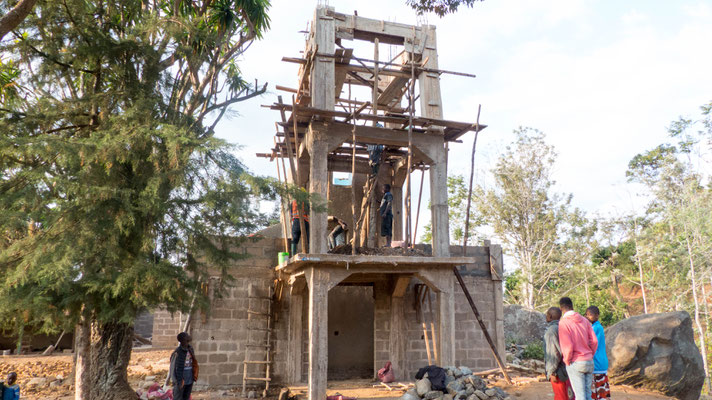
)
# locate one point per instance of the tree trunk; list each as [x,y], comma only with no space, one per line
[640,268]
[110,345]
[82,359]
[528,289]
[703,347]
[13,18]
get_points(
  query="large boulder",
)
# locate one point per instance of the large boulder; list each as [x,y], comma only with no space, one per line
[522,325]
[657,352]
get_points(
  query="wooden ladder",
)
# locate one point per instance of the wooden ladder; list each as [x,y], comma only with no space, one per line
[266,345]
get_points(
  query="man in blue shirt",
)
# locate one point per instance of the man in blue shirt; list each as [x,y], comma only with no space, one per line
[601,389]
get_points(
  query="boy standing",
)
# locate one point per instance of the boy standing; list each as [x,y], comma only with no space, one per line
[184,368]
[11,390]
[578,344]
[601,389]
[553,360]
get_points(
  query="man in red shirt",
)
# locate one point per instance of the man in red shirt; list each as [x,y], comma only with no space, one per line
[578,345]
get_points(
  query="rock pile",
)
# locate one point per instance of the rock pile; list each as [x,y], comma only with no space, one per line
[461,385]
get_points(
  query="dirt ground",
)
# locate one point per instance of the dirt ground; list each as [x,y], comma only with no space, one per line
[147,362]
[542,390]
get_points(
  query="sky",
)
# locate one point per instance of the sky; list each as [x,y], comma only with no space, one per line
[602,79]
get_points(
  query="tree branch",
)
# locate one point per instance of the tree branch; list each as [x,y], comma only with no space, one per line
[13,18]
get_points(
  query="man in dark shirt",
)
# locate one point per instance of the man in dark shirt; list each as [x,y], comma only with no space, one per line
[184,368]
[386,211]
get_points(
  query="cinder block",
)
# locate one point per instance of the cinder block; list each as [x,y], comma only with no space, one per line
[227,368]
[217,358]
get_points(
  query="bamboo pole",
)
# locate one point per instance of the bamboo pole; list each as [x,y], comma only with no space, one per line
[432,322]
[293,167]
[422,320]
[417,211]
[354,234]
[411,110]
[472,176]
[281,200]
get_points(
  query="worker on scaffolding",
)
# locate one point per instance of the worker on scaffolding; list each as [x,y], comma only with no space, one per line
[337,236]
[386,211]
[297,210]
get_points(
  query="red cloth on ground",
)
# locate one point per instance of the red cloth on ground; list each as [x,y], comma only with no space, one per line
[386,374]
[600,389]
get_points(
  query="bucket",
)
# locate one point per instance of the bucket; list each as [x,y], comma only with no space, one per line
[282,258]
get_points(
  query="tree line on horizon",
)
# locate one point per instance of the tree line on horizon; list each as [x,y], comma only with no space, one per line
[655,259]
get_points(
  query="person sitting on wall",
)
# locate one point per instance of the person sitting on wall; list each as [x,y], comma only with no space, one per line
[337,236]
[296,225]
[386,212]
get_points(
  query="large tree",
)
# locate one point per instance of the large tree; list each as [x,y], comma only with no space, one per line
[116,196]
[537,226]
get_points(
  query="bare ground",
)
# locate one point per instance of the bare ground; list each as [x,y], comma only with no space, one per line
[147,362]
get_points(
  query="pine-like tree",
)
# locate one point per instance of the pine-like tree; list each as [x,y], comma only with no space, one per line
[110,177]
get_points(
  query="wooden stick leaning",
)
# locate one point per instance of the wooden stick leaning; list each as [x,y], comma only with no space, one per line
[419,305]
[302,223]
[292,167]
[482,325]
[354,234]
[432,323]
[417,211]
[472,176]
[281,200]
[411,110]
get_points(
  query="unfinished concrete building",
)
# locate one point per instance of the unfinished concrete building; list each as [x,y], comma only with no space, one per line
[322,316]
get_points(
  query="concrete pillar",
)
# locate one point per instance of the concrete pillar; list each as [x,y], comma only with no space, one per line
[438,202]
[398,333]
[294,339]
[446,319]
[431,106]
[497,272]
[318,146]
[318,282]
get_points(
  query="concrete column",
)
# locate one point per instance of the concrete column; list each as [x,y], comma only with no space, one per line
[318,282]
[398,337]
[294,339]
[446,319]
[497,271]
[438,202]
[318,146]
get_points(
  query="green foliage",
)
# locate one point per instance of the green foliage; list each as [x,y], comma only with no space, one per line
[439,7]
[116,196]
[533,351]
[546,237]
[457,192]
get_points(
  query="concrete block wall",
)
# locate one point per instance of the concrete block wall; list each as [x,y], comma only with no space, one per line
[221,337]
[471,348]
[143,325]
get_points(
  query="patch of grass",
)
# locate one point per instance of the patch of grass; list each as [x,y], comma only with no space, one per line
[533,351]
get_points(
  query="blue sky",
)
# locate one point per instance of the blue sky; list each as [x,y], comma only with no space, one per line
[602,79]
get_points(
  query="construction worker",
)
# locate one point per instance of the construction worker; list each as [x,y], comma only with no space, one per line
[339,231]
[297,210]
[386,211]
